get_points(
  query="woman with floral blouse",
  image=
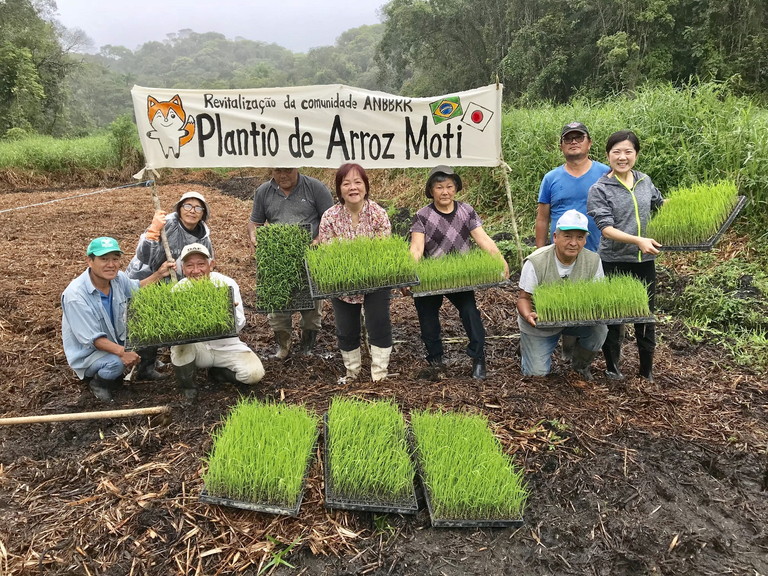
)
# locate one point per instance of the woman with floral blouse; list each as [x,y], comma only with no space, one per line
[357,215]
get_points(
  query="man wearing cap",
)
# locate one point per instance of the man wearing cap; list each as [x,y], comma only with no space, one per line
[93,317]
[187,224]
[565,187]
[447,225]
[563,260]
[227,359]
[291,198]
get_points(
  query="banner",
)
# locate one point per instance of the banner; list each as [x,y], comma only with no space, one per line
[317,126]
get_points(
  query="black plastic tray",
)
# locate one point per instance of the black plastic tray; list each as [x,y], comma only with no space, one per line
[263,506]
[132,344]
[317,294]
[301,299]
[457,522]
[461,289]
[708,244]
[571,323]
[333,500]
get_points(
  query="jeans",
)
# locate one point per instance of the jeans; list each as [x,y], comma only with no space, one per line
[428,310]
[108,367]
[377,321]
[537,351]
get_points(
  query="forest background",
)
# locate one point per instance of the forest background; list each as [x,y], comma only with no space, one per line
[689,76]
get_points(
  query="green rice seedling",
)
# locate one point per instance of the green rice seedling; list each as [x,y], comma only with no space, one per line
[346,265]
[261,453]
[464,468]
[456,270]
[162,313]
[619,296]
[693,214]
[368,452]
[280,252]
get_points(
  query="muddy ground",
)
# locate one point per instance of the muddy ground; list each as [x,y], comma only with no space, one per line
[669,477]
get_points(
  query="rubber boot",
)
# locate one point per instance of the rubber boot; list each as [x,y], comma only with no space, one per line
[581,361]
[220,375]
[307,344]
[352,362]
[436,362]
[379,362]
[102,388]
[612,353]
[146,369]
[568,343]
[478,369]
[185,376]
[646,364]
[283,340]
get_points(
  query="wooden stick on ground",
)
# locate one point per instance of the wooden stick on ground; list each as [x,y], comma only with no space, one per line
[84,415]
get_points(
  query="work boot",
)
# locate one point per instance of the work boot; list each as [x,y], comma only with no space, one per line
[146,369]
[379,362]
[478,368]
[283,340]
[185,376]
[102,388]
[352,362]
[582,359]
[436,362]
[568,343]
[646,364]
[220,375]
[612,353]
[307,344]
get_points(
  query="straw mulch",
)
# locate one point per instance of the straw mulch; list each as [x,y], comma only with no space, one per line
[625,478]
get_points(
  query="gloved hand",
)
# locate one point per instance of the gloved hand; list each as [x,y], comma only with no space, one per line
[158,221]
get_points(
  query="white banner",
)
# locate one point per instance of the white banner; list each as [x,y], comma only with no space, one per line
[318,126]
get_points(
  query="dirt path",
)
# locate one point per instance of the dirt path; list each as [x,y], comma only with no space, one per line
[627,478]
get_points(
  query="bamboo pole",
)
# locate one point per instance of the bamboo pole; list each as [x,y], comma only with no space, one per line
[163,236]
[506,169]
[103,414]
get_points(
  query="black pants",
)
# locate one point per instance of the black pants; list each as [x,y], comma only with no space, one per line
[377,321]
[428,309]
[645,334]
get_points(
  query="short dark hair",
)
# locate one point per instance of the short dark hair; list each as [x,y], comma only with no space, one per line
[342,173]
[620,136]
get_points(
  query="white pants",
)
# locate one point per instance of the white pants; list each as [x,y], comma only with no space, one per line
[244,363]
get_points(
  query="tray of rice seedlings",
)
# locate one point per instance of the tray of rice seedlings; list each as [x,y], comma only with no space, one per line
[167,314]
[459,272]
[281,279]
[696,217]
[618,299]
[343,267]
[368,464]
[468,480]
[260,458]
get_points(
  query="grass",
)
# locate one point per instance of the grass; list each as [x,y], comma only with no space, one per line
[464,468]
[347,265]
[163,313]
[280,250]
[368,452]
[261,453]
[48,154]
[456,270]
[693,214]
[617,296]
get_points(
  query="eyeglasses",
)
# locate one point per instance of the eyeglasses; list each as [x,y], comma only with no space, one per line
[568,138]
[192,208]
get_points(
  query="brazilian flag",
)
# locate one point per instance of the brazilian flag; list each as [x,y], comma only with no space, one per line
[445,109]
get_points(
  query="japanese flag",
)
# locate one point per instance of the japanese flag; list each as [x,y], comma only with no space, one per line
[477,116]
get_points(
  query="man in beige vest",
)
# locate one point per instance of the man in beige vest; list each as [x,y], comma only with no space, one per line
[563,260]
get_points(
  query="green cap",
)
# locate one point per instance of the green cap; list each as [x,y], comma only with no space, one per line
[102,245]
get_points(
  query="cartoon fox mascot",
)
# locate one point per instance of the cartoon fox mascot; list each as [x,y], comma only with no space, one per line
[170,125]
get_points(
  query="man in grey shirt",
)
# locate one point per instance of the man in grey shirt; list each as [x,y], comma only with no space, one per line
[291,198]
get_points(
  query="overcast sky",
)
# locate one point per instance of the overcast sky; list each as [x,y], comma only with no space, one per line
[294,24]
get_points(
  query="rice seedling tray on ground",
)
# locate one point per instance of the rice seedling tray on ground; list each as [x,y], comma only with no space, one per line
[714,239]
[318,294]
[134,343]
[467,523]
[461,289]
[572,323]
[333,500]
[253,506]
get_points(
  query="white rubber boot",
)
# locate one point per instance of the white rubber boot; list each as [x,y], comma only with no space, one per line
[379,362]
[352,362]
